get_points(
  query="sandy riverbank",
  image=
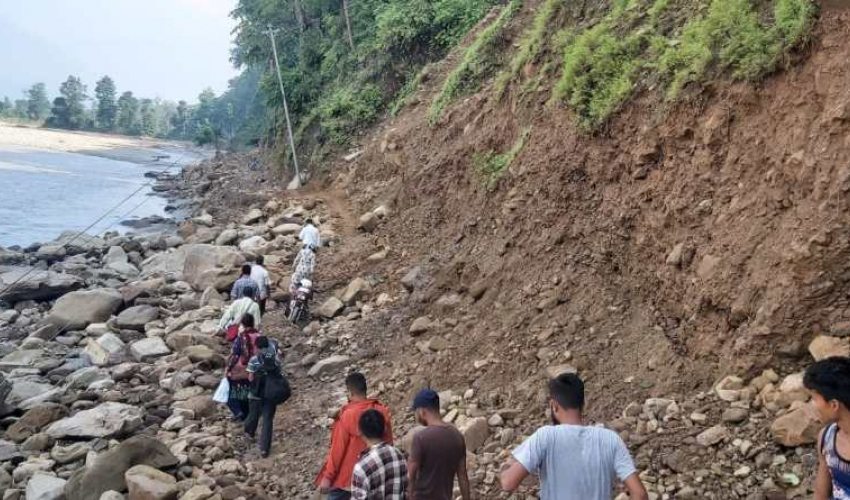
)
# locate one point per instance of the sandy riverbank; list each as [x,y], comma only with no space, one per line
[116,147]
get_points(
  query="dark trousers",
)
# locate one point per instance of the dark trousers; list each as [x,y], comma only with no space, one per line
[266,410]
[262,304]
[338,494]
[239,408]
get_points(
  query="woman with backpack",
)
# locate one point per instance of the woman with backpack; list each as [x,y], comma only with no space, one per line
[243,349]
[269,388]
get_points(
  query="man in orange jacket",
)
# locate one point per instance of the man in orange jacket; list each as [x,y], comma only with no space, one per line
[346,442]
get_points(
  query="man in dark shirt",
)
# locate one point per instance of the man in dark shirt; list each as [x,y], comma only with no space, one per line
[438,454]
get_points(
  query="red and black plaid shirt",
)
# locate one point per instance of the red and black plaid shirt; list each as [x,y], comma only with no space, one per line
[381,474]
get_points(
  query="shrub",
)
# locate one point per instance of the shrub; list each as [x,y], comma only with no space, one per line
[599,73]
[349,108]
[793,20]
[491,167]
[531,44]
[478,61]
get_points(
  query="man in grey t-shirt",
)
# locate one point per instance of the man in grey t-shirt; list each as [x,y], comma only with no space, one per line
[574,462]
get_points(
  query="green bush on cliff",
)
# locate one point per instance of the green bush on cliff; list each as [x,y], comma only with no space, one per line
[349,108]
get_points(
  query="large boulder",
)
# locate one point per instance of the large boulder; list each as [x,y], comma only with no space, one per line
[356,290]
[475,433]
[26,388]
[328,365]
[256,245]
[136,317]
[798,427]
[106,472]
[227,237]
[149,348]
[42,486]
[147,483]
[184,338]
[286,229]
[824,346]
[107,420]
[77,310]
[34,420]
[211,265]
[35,284]
[106,350]
[22,358]
[330,308]
[117,260]
[166,263]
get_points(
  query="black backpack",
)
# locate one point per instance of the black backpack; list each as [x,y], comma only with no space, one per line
[276,388]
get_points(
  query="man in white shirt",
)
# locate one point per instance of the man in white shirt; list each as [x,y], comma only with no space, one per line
[574,461]
[233,314]
[310,235]
[261,277]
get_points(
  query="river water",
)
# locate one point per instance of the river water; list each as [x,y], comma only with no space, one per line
[46,192]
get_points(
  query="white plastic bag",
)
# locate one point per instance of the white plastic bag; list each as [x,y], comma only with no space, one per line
[223,392]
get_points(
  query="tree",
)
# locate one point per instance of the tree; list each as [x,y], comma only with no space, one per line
[180,121]
[107,109]
[20,109]
[69,110]
[128,113]
[147,117]
[6,106]
[38,107]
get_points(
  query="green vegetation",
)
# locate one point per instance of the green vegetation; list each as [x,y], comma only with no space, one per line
[532,43]
[343,111]
[478,61]
[491,166]
[605,62]
[337,85]
[410,87]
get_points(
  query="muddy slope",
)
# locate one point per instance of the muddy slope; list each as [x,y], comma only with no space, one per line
[696,241]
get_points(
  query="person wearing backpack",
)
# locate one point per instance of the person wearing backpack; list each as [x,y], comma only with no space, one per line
[243,349]
[269,388]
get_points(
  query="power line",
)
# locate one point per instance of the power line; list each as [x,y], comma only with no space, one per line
[77,235]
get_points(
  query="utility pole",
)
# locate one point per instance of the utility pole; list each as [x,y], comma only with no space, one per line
[297,181]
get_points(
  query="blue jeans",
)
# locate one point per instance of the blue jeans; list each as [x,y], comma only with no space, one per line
[338,494]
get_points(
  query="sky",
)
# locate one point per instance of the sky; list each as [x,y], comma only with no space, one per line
[172,49]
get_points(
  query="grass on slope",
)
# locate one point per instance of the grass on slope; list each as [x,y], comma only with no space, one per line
[491,166]
[478,61]
[603,63]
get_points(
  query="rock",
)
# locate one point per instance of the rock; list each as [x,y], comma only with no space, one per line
[70,453]
[413,279]
[211,297]
[331,308]
[200,406]
[707,265]
[22,358]
[111,495]
[735,415]
[420,326]
[202,353]
[253,216]
[205,219]
[51,253]
[77,310]
[36,285]
[328,365]
[438,344]
[197,492]
[286,229]
[84,377]
[555,370]
[368,222]
[729,389]
[256,245]
[227,237]
[185,338]
[45,487]
[209,265]
[448,302]
[148,348]
[26,391]
[106,350]
[475,433]
[5,481]
[106,472]
[97,329]
[146,483]
[712,436]
[798,427]
[8,451]
[136,317]
[674,258]
[34,420]
[355,291]
[107,420]
[823,347]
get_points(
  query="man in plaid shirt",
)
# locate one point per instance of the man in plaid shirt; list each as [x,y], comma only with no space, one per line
[381,473]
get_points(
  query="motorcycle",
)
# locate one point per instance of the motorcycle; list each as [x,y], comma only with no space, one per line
[299,305]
